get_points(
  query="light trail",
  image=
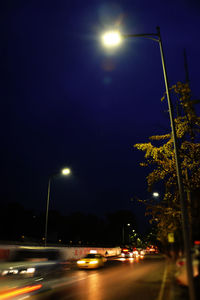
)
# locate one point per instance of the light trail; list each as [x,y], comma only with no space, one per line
[20,291]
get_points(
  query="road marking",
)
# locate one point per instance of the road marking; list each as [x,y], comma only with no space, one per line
[160,296]
[60,284]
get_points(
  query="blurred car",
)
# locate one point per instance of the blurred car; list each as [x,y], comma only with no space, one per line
[136,252]
[181,269]
[91,261]
[152,250]
[127,252]
[139,253]
[142,252]
[30,262]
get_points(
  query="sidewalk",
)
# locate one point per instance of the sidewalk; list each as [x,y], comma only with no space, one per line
[174,291]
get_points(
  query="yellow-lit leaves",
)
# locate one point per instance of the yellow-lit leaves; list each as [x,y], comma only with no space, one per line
[160,137]
[159,154]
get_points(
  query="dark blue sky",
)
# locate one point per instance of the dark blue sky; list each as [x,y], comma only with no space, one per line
[66,101]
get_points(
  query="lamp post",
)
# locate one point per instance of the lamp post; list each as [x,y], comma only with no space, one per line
[123,239]
[64,172]
[113,39]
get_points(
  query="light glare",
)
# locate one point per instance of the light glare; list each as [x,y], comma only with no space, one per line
[155,194]
[66,171]
[111,39]
[80,262]
[30,270]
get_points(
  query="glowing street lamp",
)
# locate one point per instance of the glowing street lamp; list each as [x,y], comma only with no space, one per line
[155,194]
[65,172]
[128,225]
[111,38]
[114,39]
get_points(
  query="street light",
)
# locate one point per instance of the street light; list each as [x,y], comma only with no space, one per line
[123,231]
[111,38]
[185,223]
[155,194]
[65,171]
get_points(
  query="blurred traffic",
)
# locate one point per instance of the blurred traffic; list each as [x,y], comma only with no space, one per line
[27,271]
[32,270]
[128,252]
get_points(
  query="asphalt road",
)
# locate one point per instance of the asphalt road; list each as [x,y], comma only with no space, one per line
[118,280]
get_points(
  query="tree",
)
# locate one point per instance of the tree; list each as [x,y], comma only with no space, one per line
[159,156]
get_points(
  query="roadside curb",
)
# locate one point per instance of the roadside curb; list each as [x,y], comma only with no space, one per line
[176,292]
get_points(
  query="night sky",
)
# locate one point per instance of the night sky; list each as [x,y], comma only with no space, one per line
[67,101]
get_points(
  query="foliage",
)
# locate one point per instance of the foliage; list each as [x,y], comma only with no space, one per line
[159,156]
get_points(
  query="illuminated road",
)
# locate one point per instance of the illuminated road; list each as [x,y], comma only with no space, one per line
[118,280]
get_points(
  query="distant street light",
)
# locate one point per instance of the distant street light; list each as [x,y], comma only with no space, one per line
[123,231]
[113,39]
[155,194]
[65,171]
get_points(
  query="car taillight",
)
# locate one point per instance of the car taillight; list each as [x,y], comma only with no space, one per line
[180,263]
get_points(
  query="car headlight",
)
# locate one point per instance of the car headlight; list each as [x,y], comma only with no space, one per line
[123,254]
[30,270]
[93,262]
[10,271]
[80,262]
[5,272]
